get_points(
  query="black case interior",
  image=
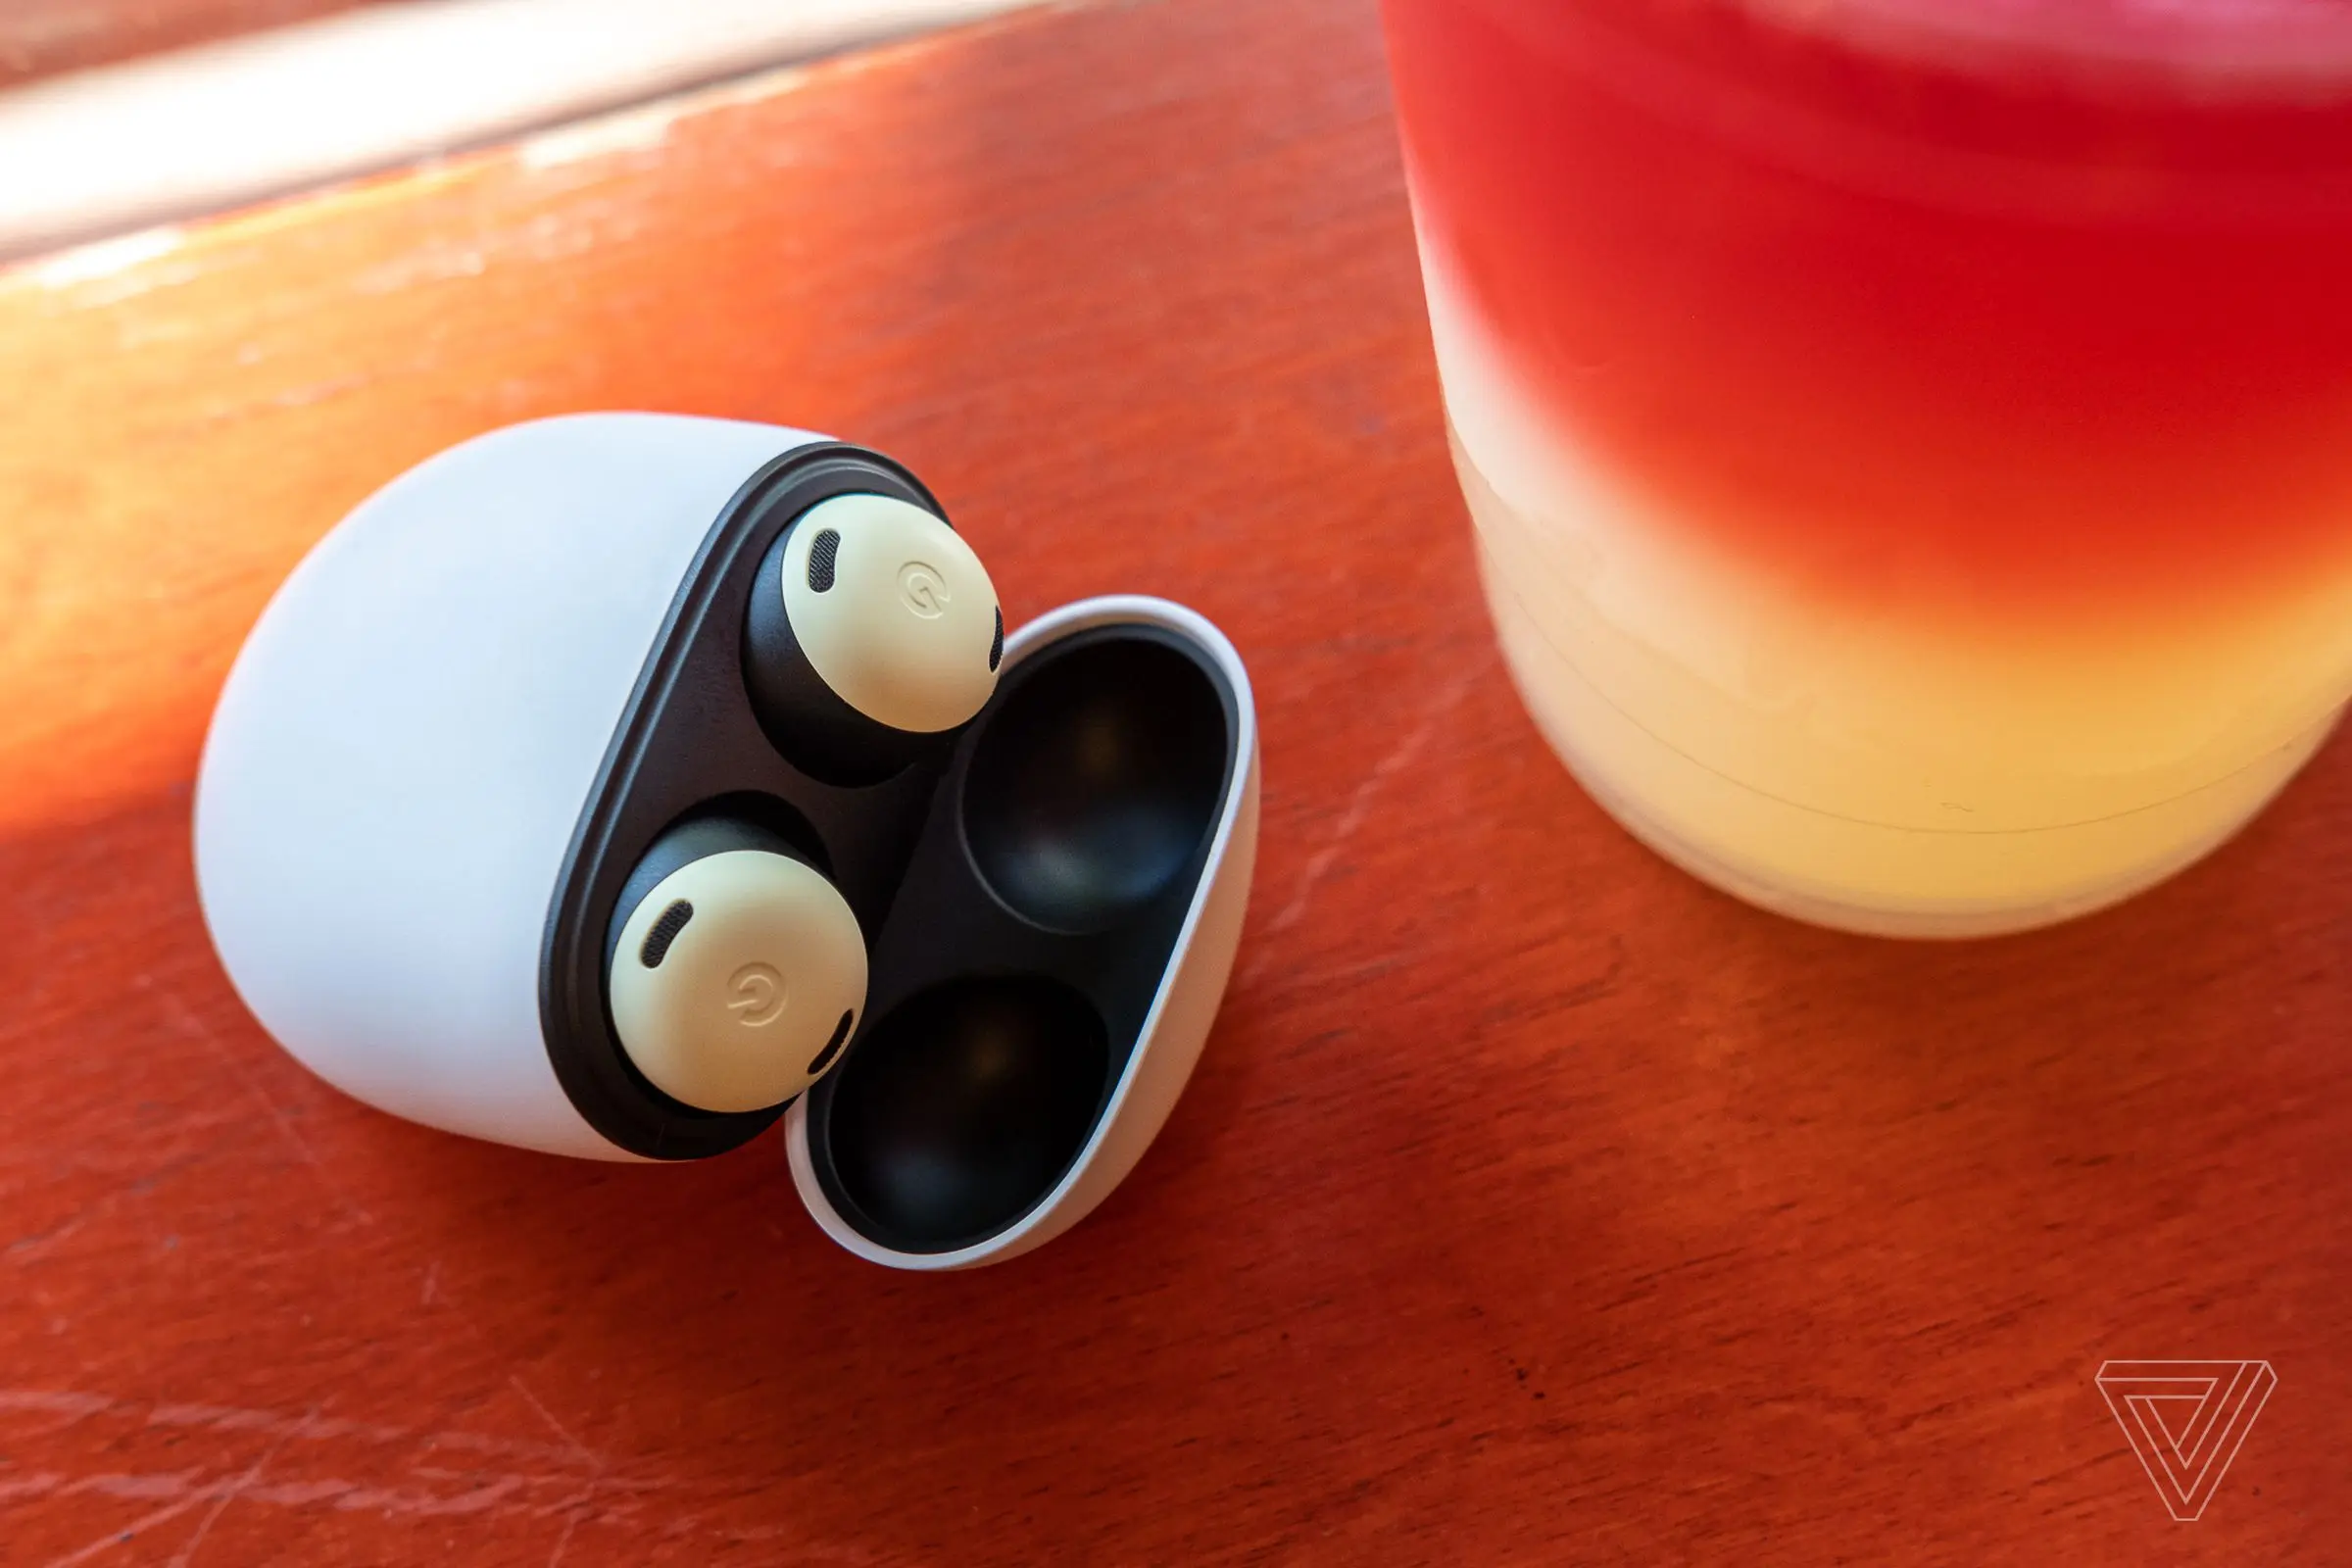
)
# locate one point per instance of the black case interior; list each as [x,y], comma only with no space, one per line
[1022,887]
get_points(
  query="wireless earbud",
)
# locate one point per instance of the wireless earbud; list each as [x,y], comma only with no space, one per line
[735,969]
[873,632]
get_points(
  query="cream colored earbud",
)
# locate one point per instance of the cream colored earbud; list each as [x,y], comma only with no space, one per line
[737,979]
[874,630]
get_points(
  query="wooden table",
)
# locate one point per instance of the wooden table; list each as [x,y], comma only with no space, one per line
[1532,1205]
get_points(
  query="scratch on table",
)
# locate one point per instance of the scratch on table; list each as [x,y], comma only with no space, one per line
[149,1483]
[130,1532]
[31,1248]
[78,1407]
[587,1491]
[184,1016]
[507,1495]
[27,1248]
[48,1402]
[234,1418]
[186,1490]
[595,1459]
[563,1541]
[1395,760]
[243,1483]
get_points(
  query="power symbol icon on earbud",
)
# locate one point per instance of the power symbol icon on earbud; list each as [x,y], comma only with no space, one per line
[922,590]
[758,995]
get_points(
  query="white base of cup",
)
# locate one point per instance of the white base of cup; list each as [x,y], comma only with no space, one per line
[1680,808]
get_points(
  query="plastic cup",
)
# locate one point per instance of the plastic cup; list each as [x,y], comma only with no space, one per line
[1909,441]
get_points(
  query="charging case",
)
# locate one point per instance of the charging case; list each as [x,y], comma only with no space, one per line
[469,713]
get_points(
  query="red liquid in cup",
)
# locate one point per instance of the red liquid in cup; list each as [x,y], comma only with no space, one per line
[1935,418]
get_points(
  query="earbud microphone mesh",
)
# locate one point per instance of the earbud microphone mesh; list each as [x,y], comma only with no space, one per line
[823,551]
[995,650]
[666,931]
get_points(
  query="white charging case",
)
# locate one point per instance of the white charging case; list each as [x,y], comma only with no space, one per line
[482,696]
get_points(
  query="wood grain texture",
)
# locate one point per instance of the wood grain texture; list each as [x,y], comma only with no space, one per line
[1532,1205]
[42,37]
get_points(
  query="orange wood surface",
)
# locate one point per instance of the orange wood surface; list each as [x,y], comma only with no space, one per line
[41,37]
[1532,1203]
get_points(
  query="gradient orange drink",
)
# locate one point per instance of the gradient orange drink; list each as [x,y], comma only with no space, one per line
[1909,441]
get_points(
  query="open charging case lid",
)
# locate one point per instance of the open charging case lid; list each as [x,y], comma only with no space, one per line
[1058,949]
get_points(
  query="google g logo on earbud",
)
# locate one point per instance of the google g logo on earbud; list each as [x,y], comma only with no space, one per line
[757,995]
[921,589]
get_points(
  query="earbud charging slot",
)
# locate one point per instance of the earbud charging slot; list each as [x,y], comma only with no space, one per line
[1040,916]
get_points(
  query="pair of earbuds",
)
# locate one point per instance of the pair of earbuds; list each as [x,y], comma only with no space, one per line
[735,970]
